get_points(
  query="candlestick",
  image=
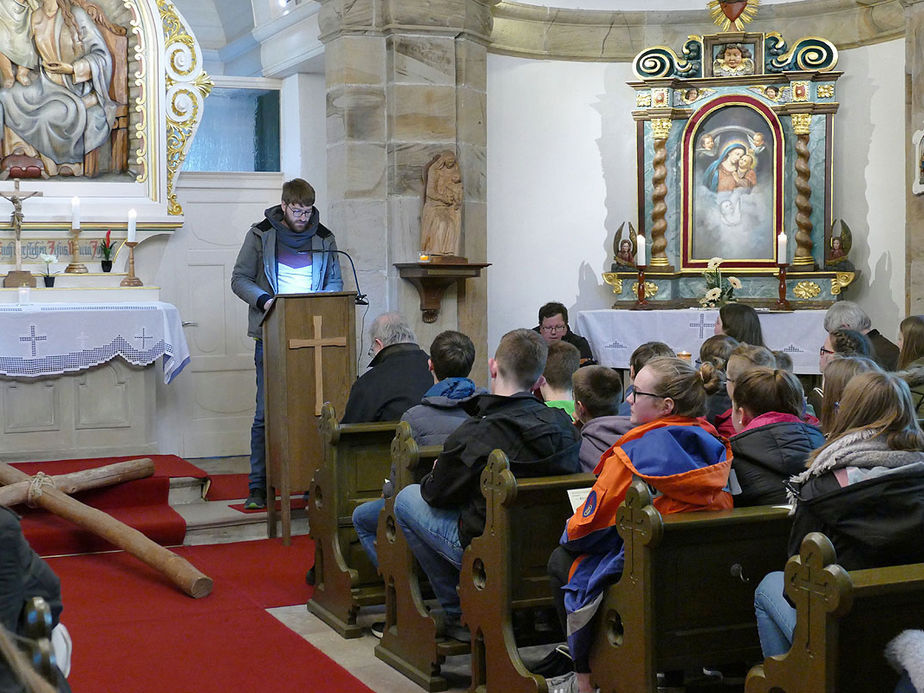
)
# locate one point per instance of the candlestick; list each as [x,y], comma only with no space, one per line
[640,257]
[782,257]
[75,267]
[641,303]
[782,303]
[132,233]
[131,279]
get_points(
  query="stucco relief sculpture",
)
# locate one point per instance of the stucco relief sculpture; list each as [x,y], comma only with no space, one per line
[55,75]
[441,219]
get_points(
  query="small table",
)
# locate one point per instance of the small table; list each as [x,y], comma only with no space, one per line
[614,334]
[42,339]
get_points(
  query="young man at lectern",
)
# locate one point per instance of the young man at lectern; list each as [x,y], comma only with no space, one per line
[285,253]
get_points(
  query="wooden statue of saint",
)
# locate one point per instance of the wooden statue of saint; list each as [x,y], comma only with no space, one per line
[839,246]
[624,250]
[441,218]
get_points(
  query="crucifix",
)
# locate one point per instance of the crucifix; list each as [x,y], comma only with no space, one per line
[18,277]
[317,343]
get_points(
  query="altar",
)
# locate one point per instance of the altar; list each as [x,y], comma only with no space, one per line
[614,334]
[78,379]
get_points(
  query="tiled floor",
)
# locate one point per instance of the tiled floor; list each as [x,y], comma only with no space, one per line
[355,655]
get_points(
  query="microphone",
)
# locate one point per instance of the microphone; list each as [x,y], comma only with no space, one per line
[361,299]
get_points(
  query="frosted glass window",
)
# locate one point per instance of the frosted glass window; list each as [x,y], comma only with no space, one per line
[239,132]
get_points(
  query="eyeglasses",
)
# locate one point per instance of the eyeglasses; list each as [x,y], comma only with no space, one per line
[553,328]
[635,393]
[822,351]
[305,213]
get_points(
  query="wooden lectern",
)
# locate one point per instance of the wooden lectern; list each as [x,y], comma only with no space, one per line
[309,357]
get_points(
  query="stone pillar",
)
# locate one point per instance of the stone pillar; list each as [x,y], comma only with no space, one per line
[914,206]
[406,79]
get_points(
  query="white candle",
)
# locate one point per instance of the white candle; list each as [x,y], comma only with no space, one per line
[640,256]
[781,256]
[75,212]
[132,215]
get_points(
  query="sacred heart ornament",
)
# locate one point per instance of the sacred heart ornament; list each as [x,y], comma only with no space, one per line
[733,14]
[733,10]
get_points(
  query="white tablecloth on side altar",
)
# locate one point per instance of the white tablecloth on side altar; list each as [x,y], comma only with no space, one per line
[614,334]
[53,338]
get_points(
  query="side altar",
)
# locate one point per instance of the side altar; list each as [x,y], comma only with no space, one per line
[735,164]
[88,172]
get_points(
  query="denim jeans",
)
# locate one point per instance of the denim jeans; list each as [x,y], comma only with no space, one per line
[433,535]
[366,522]
[257,477]
[776,619]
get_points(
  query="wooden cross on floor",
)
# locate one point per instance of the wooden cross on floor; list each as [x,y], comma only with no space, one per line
[317,342]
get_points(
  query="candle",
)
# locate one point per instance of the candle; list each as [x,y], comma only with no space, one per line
[781,256]
[132,215]
[640,256]
[75,212]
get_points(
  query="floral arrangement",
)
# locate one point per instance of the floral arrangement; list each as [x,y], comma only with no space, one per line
[719,290]
[107,245]
[48,259]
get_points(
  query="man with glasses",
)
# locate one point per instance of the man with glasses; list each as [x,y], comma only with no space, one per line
[553,326]
[285,253]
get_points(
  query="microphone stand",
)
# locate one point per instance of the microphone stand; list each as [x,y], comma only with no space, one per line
[361,299]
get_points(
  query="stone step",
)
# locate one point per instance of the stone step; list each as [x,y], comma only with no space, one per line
[216,522]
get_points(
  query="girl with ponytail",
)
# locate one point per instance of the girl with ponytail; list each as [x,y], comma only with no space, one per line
[772,442]
[676,452]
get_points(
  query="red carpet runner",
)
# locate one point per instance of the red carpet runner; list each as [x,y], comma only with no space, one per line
[133,631]
[141,504]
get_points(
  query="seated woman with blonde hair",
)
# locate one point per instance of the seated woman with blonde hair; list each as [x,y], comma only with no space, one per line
[675,452]
[772,442]
[864,489]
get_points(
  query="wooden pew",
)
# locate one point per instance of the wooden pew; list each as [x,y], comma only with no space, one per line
[505,568]
[843,622]
[686,595]
[412,642]
[356,461]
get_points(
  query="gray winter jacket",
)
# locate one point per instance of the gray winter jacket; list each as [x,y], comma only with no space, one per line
[254,273]
[598,436]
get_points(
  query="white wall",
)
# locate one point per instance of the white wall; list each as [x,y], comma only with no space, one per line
[558,188]
[869,189]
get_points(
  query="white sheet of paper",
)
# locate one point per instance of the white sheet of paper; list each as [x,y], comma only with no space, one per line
[577,496]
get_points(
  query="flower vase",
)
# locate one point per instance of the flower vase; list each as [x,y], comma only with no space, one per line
[106,265]
[49,280]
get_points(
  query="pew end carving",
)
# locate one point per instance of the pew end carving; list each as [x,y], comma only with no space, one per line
[843,622]
[686,596]
[412,642]
[504,569]
[355,461]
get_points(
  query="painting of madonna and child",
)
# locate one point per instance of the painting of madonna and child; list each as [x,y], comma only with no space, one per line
[732,186]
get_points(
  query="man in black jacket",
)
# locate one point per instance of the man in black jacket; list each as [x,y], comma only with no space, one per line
[442,514]
[397,378]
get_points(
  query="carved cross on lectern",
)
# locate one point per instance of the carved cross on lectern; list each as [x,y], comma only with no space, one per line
[317,343]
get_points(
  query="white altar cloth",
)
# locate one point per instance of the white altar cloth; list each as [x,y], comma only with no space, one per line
[614,334]
[38,339]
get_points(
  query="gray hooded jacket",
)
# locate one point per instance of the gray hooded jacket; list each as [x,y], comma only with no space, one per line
[254,273]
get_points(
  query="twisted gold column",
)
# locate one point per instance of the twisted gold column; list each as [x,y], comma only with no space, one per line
[660,129]
[803,256]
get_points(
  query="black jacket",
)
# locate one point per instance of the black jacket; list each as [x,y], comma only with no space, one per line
[23,575]
[538,440]
[397,379]
[885,353]
[579,342]
[872,523]
[766,456]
